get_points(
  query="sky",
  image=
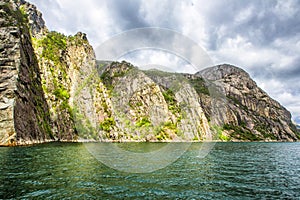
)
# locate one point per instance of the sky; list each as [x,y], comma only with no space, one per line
[260,36]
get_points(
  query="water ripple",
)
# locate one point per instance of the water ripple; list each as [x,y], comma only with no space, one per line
[230,171]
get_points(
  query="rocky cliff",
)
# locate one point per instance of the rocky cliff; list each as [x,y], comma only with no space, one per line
[249,113]
[220,102]
[52,88]
[40,73]
[24,113]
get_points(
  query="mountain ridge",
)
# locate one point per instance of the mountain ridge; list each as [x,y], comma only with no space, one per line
[70,96]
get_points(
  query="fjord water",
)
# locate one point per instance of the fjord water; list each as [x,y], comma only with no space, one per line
[229,171]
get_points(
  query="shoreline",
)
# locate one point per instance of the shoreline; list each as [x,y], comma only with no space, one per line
[38,142]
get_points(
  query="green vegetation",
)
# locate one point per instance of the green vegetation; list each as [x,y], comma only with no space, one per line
[219,133]
[265,131]
[241,133]
[163,132]
[171,126]
[61,93]
[113,71]
[169,97]
[198,84]
[24,15]
[217,130]
[76,40]
[107,79]
[44,117]
[53,44]
[234,100]
[14,17]
[144,122]
[56,82]
[224,137]
[107,124]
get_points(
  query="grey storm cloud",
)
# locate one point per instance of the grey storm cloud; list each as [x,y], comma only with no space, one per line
[261,36]
[262,21]
[127,14]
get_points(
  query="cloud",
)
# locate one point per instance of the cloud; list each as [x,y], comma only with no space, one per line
[158,59]
[262,37]
[286,92]
[93,17]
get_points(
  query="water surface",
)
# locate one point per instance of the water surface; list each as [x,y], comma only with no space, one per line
[229,171]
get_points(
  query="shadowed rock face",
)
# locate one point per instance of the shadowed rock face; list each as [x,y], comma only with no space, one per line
[52,88]
[40,74]
[24,113]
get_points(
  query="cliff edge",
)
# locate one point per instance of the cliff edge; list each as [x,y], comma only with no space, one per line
[53,89]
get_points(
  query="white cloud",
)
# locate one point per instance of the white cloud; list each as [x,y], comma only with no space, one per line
[162,60]
[278,90]
[69,17]
[244,15]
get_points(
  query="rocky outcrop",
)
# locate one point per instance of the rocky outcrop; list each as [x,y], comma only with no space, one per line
[146,106]
[249,113]
[24,113]
[35,21]
[53,89]
[41,73]
[220,102]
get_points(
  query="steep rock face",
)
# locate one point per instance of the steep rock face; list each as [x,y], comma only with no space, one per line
[193,122]
[64,62]
[66,65]
[42,73]
[35,21]
[150,106]
[221,102]
[52,88]
[23,110]
[250,113]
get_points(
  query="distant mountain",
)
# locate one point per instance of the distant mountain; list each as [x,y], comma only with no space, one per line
[53,89]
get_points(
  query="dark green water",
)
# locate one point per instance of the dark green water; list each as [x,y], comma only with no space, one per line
[229,171]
